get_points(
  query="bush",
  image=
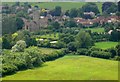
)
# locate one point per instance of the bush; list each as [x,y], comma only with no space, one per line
[82,51]
[112,51]
[72,46]
[117,58]
[101,54]
[54,55]
[19,46]
[33,57]
[8,69]
[95,49]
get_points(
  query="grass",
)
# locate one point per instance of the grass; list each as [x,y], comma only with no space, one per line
[48,50]
[53,36]
[71,68]
[99,30]
[105,45]
[65,5]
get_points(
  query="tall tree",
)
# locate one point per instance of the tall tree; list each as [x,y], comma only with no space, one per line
[19,23]
[109,7]
[57,11]
[90,7]
[73,12]
[83,40]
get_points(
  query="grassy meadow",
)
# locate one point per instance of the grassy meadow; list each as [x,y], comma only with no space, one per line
[98,30]
[83,68]
[48,50]
[52,36]
[105,45]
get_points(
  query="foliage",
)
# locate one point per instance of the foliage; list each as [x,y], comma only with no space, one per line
[115,35]
[109,7]
[19,46]
[101,54]
[55,25]
[7,41]
[118,49]
[22,14]
[66,38]
[73,12]
[90,7]
[72,46]
[8,69]
[112,51]
[19,23]
[83,40]
[82,51]
[30,58]
[70,24]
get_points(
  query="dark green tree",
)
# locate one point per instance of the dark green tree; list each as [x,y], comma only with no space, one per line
[73,12]
[90,7]
[83,40]
[19,23]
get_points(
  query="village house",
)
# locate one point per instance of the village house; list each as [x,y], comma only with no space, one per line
[84,22]
[92,14]
[100,20]
[37,23]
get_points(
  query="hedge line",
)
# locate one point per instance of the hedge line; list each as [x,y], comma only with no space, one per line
[30,58]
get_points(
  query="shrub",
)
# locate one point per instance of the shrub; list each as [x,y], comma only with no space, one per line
[112,51]
[8,69]
[101,54]
[117,58]
[19,46]
[82,51]
[33,57]
[72,46]
[95,49]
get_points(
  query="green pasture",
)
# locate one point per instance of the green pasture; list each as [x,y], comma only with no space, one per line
[105,45]
[98,30]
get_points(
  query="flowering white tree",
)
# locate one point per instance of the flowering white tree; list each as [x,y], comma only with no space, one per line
[19,46]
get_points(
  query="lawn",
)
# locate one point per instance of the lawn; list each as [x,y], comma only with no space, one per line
[98,30]
[71,68]
[48,50]
[52,36]
[65,5]
[105,45]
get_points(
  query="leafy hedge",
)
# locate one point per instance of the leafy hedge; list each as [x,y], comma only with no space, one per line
[101,54]
[30,58]
[95,52]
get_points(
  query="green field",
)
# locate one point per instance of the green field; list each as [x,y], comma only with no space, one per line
[99,30]
[71,68]
[52,36]
[64,5]
[105,45]
[48,50]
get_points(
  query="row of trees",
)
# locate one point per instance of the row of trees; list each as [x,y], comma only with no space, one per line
[107,8]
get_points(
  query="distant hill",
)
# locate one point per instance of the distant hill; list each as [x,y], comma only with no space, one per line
[64,5]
